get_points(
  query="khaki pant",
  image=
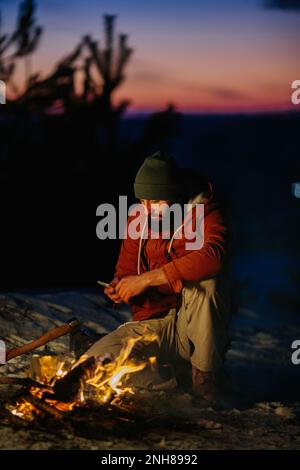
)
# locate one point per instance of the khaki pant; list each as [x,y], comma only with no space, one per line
[196,333]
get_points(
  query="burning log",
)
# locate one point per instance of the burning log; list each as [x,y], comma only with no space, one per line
[44,407]
[21,408]
[66,389]
[8,417]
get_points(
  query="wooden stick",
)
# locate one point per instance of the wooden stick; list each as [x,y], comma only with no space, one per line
[25,381]
[45,338]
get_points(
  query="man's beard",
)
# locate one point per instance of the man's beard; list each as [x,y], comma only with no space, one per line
[158,225]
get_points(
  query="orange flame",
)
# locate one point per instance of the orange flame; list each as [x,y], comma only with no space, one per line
[104,383]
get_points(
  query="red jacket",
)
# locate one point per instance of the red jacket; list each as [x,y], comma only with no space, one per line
[179,266]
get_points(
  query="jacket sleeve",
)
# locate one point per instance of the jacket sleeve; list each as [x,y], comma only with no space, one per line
[204,263]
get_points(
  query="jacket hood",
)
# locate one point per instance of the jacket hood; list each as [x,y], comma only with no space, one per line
[198,188]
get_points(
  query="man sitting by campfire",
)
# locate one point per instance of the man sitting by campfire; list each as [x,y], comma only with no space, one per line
[180,295]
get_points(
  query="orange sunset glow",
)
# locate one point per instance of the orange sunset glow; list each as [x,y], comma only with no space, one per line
[209,56]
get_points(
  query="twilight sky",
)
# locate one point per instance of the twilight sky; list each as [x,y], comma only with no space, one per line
[202,55]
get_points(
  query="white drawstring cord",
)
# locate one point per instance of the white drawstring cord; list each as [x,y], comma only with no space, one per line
[172,239]
[191,204]
[140,246]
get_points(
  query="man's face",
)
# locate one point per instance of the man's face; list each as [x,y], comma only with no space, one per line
[156,208]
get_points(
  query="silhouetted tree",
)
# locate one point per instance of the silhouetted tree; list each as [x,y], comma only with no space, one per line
[89,85]
[7,65]
[59,85]
[110,65]
[27,35]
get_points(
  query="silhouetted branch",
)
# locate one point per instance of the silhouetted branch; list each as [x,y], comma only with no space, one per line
[104,59]
[58,85]
[7,65]
[27,35]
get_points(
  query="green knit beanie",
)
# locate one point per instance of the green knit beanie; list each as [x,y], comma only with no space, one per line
[158,178]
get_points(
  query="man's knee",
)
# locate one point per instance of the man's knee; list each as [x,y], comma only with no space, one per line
[110,343]
[203,321]
[138,331]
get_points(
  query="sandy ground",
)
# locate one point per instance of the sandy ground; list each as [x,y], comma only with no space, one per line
[262,410]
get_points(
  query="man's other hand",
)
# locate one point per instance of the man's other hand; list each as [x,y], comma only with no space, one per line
[110,291]
[131,286]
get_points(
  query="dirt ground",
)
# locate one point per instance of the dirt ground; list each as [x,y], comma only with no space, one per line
[260,411]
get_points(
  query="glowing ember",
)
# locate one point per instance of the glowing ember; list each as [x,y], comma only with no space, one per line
[24,410]
[103,385]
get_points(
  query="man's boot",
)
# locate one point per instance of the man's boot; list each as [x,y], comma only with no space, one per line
[204,384]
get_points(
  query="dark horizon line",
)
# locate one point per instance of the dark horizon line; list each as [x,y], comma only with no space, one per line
[146,114]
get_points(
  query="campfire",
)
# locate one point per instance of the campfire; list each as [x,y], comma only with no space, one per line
[98,381]
[93,397]
[103,391]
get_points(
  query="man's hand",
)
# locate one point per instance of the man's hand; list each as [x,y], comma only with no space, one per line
[110,291]
[131,286]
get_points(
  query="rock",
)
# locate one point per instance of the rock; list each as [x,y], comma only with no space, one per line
[162,443]
[208,424]
[284,412]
